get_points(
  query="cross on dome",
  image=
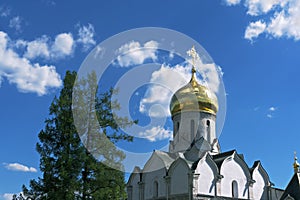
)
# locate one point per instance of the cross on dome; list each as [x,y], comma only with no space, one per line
[193,53]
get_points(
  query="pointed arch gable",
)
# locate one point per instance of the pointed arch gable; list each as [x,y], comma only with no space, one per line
[261,178]
[154,163]
[258,166]
[208,158]
[154,172]
[133,190]
[206,172]
[243,164]
[179,173]
[136,172]
[234,168]
[177,162]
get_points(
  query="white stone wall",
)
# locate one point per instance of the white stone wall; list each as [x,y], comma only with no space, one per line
[206,176]
[135,187]
[179,172]
[260,185]
[183,135]
[149,187]
[233,171]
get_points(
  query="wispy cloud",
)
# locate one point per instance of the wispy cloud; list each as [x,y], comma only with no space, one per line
[232,2]
[276,18]
[10,196]
[19,167]
[269,112]
[134,53]
[7,196]
[272,109]
[156,133]
[270,116]
[86,36]
[254,29]
[15,23]
[4,11]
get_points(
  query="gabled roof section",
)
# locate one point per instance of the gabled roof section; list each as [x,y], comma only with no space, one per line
[219,158]
[208,158]
[257,164]
[165,159]
[136,172]
[239,158]
[180,160]
[293,188]
[197,150]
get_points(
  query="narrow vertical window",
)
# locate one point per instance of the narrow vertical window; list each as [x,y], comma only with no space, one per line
[155,189]
[177,126]
[208,131]
[234,188]
[192,129]
[207,123]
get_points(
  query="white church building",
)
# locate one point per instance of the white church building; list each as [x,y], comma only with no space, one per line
[194,167]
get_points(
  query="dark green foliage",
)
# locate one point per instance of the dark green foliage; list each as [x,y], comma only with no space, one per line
[70,171]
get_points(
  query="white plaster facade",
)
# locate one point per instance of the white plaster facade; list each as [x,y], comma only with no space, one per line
[211,177]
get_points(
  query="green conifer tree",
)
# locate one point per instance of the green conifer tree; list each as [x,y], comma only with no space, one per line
[68,154]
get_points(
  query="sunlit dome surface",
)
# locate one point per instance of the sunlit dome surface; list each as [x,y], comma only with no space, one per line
[194,97]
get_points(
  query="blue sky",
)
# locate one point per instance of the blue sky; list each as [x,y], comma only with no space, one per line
[256,43]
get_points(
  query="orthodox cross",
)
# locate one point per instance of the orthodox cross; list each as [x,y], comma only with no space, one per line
[193,53]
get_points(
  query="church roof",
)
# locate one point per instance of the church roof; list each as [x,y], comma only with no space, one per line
[293,188]
[166,157]
[219,158]
[197,150]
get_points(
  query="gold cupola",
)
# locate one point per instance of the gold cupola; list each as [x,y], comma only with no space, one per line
[194,97]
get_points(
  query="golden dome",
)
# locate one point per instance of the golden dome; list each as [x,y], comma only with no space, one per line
[194,97]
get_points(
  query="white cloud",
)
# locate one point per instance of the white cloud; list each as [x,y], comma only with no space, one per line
[86,36]
[275,18]
[254,30]
[157,98]
[258,7]
[286,23]
[63,45]
[36,48]
[19,70]
[134,53]
[271,112]
[20,59]
[43,47]
[156,133]
[15,23]
[19,167]
[7,196]
[272,109]
[160,93]
[232,2]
